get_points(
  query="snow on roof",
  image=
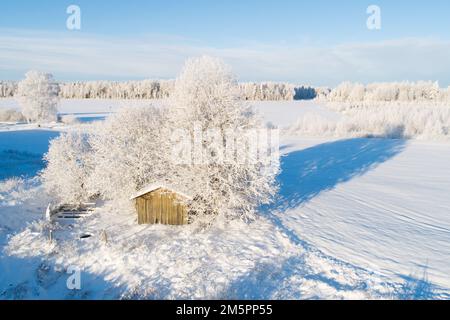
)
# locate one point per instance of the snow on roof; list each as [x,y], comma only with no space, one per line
[156,186]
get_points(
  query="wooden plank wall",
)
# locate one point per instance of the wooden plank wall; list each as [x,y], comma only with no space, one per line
[161,206]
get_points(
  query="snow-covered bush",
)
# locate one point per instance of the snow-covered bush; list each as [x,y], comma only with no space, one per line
[206,98]
[10,115]
[388,120]
[38,96]
[69,119]
[68,168]
[9,186]
[420,91]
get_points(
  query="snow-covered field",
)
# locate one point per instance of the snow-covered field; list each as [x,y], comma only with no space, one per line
[355,218]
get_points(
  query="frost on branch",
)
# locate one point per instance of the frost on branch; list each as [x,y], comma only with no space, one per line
[38,96]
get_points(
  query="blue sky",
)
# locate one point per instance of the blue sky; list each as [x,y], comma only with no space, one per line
[319,42]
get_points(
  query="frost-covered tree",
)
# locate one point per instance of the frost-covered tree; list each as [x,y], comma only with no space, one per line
[322,93]
[267,91]
[357,93]
[206,99]
[38,96]
[130,150]
[145,89]
[7,89]
[138,146]
[388,91]
[68,168]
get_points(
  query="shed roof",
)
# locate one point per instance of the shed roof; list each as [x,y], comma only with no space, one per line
[155,186]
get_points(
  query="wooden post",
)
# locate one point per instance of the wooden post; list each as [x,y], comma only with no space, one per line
[104,237]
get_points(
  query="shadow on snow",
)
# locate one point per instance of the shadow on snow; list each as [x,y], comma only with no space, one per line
[39,278]
[285,280]
[21,152]
[306,173]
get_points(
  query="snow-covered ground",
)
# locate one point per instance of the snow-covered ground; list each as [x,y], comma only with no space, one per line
[355,218]
[282,113]
[380,204]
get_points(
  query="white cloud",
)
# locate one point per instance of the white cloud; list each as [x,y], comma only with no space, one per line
[74,55]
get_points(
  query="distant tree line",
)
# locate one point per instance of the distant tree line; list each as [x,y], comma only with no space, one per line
[265,91]
[389,91]
[145,89]
[159,89]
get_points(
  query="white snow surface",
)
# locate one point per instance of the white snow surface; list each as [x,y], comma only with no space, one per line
[280,113]
[354,219]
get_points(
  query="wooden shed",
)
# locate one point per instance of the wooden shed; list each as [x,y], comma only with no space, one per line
[160,204]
